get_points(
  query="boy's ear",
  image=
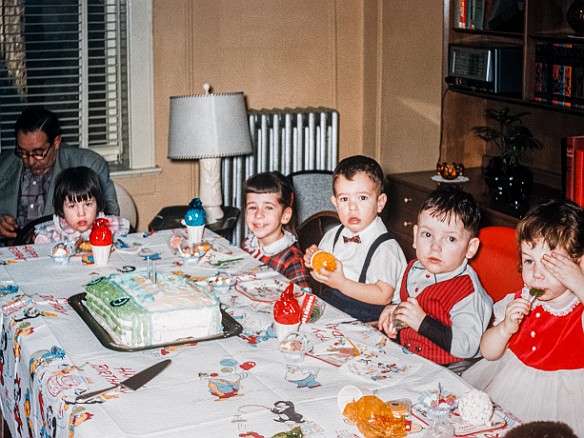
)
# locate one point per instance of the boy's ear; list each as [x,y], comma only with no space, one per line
[334,201]
[286,215]
[415,231]
[381,201]
[473,247]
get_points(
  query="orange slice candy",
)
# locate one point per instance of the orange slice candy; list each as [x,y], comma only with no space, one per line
[323,259]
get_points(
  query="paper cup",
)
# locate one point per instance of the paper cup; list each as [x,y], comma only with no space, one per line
[101,254]
[283,330]
[195,233]
[350,394]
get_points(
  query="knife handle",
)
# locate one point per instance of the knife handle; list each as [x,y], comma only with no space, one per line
[89,395]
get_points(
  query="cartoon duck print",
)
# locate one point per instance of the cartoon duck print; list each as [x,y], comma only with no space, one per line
[22,330]
[286,412]
[223,388]
[43,357]
[302,378]
[78,416]
[31,313]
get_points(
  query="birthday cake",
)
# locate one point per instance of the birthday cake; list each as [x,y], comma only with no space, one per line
[138,311]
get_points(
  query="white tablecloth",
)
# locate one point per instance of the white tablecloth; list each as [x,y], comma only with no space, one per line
[235,387]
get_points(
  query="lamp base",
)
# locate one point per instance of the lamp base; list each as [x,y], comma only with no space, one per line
[210,188]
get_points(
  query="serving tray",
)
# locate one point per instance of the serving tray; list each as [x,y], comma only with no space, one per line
[230,328]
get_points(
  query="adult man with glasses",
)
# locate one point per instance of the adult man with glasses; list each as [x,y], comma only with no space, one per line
[27,174]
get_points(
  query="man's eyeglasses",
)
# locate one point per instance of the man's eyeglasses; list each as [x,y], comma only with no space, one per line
[39,155]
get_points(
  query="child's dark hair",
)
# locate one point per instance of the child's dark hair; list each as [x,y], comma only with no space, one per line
[274,182]
[447,203]
[542,429]
[350,166]
[77,184]
[560,223]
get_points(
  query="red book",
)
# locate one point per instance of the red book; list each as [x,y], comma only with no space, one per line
[569,174]
[578,167]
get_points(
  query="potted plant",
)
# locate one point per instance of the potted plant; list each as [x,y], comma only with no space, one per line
[509,182]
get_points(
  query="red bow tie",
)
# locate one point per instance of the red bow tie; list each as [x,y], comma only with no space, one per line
[354,239]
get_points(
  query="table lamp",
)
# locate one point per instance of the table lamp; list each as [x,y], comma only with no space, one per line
[207,127]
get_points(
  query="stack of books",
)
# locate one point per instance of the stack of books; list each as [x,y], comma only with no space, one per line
[559,74]
[574,169]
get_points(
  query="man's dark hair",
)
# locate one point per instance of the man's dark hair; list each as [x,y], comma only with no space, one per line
[34,118]
[77,184]
[447,203]
[350,166]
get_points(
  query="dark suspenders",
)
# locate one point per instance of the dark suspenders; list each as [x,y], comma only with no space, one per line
[382,238]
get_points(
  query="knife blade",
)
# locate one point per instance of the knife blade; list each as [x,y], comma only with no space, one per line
[136,381]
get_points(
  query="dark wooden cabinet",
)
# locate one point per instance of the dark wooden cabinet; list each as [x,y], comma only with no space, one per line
[542,21]
[407,191]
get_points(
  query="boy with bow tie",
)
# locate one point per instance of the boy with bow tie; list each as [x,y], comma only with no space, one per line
[369,261]
[444,310]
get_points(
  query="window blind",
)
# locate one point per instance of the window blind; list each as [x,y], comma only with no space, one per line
[69,56]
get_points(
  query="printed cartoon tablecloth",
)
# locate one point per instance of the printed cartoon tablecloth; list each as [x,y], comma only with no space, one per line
[235,387]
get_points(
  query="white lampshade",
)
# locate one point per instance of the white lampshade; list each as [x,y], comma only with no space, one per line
[208,127]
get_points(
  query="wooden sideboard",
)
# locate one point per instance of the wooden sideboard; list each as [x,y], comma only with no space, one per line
[407,191]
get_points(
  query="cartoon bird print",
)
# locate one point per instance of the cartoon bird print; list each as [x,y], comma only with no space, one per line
[286,412]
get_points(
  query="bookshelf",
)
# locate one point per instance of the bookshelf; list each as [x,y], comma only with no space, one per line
[542,24]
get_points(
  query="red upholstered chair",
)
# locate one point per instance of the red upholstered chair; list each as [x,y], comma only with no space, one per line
[497,260]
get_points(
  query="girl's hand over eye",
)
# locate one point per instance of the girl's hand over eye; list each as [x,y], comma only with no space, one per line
[563,268]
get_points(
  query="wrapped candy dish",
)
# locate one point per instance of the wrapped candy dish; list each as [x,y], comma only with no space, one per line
[294,347]
[374,418]
[436,404]
[323,259]
[61,253]
[189,250]
[221,282]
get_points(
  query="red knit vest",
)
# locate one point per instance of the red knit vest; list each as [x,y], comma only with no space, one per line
[437,301]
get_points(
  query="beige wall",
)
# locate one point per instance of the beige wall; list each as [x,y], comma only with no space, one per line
[342,54]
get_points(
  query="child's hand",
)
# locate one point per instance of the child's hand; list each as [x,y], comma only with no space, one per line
[308,255]
[334,279]
[514,314]
[563,268]
[384,322]
[411,313]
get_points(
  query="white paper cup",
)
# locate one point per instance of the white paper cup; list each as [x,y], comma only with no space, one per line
[101,254]
[349,394]
[195,233]
[283,330]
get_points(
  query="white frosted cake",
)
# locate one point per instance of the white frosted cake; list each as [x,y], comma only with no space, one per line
[139,313]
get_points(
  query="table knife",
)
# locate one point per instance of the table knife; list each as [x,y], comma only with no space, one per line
[133,383]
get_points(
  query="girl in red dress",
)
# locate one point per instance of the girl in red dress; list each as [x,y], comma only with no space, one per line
[534,354]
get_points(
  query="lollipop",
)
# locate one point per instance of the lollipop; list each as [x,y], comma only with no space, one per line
[535,293]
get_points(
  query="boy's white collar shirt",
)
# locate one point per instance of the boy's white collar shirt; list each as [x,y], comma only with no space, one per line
[252,245]
[422,278]
[386,265]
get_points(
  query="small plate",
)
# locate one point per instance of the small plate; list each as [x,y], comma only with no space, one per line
[265,290]
[230,328]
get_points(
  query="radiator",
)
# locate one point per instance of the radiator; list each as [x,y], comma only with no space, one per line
[286,140]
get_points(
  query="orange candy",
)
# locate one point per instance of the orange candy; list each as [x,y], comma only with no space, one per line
[323,259]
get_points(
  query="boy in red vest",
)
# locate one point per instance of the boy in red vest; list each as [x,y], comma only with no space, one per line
[443,308]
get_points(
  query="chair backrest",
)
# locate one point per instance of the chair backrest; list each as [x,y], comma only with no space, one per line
[26,234]
[497,261]
[311,232]
[127,206]
[313,189]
